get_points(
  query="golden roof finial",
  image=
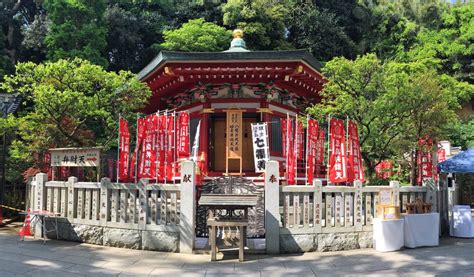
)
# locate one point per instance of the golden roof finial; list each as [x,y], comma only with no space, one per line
[237,33]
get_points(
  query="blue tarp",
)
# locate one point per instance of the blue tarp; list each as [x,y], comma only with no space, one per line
[461,163]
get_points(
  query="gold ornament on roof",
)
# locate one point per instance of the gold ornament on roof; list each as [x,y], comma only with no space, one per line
[237,33]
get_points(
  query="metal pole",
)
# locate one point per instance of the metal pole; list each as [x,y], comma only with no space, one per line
[118,152]
[329,148]
[4,150]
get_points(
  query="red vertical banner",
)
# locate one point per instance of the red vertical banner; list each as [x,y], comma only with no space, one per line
[161,147]
[299,134]
[147,164]
[124,150]
[424,160]
[169,147]
[337,158]
[182,147]
[441,154]
[312,148]
[320,153]
[140,135]
[291,155]
[355,168]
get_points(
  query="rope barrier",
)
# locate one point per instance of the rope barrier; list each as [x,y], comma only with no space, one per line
[11,208]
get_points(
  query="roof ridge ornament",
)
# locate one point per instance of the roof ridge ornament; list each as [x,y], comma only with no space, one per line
[238,43]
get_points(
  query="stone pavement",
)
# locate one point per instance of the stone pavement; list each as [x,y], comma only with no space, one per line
[454,257]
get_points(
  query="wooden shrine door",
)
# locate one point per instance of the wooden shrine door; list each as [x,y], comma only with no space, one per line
[219,144]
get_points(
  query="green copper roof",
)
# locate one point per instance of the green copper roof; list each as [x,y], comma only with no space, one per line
[169,56]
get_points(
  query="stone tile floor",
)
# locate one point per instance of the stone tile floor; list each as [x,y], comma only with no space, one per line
[454,257]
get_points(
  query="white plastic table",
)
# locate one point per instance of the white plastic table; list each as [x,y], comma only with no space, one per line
[421,229]
[462,225]
[388,234]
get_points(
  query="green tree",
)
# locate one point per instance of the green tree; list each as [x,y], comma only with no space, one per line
[198,36]
[394,104]
[14,15]
[69,104]
[133,30]
[449,48]
[78,29]
[321,32]
[264,22]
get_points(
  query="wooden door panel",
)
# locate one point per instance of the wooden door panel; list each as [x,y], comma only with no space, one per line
[219,143]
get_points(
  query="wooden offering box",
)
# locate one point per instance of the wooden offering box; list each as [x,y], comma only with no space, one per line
[388,212]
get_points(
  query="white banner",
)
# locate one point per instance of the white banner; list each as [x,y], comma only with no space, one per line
[261,153]
[75,157]
[195,150]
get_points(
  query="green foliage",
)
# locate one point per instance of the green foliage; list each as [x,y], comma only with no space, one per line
[393,103]
[451,47]
[263,22]
[77,29]
[197,36]
[133,30]
[321,32]
[69,104]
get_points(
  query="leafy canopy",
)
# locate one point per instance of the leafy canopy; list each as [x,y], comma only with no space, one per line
[394,103]
[69,104]
[197,36]
[77,29]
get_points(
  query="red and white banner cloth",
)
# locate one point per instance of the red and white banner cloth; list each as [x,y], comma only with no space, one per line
[147,163]
[355,170]
[424,160]
[124,151]
[140,135]
[289,149]
[337,157]
[182,146]
[312,148]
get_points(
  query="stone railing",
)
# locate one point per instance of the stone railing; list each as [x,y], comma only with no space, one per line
[322,218]
[142,211]
[334,208]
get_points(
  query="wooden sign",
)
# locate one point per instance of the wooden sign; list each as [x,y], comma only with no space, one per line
[234,137]
[88,157]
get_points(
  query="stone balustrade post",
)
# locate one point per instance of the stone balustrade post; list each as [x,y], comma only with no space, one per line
[272,212]
[358,205]
[104,201]
[188,207]
[318,205]
[40,198]
[143,203]
[71,199]
[395,185]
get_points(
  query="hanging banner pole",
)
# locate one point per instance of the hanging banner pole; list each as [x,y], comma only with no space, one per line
[174,148]
[287,145]
[307,148]
[166,147]
[119,148]
[136,154]
[329,147]
[157,146]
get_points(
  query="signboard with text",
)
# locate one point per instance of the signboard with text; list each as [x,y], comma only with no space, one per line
[75,157]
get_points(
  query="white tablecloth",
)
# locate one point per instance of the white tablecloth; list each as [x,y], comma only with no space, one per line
[388,234]
[462,225]
[421,229]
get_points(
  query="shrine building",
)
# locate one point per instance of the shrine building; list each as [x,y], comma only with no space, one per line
[264,85]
